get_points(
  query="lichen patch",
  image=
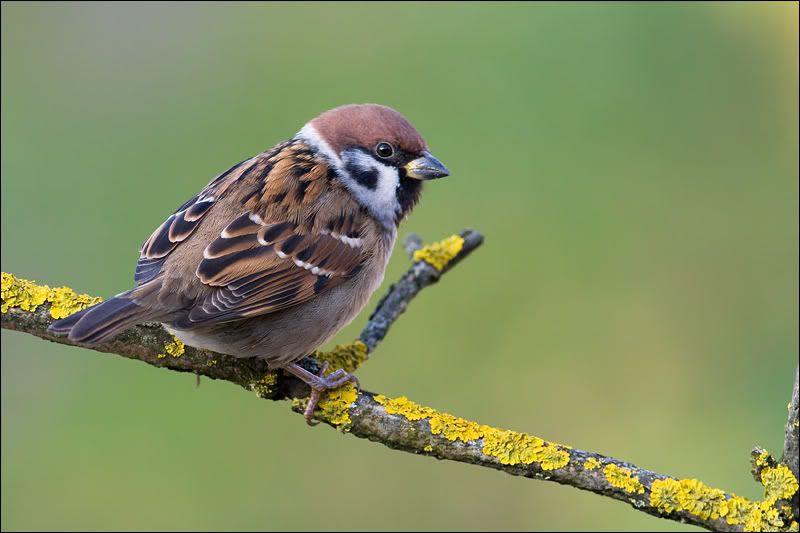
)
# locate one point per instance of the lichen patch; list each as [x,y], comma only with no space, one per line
[28,296]
[439,254]
[508,447]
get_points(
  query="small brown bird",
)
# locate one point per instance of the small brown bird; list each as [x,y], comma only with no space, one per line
[282,250]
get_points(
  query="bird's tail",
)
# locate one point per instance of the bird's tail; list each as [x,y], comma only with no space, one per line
[100,322]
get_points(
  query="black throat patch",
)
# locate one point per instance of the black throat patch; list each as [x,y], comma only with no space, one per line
[408,193]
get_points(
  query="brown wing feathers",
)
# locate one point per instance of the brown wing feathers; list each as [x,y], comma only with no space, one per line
[180,225]
[298,234]
[297,237]
[261,268]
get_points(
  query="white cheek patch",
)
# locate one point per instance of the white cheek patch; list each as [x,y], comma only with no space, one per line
[378,194]
[373,184]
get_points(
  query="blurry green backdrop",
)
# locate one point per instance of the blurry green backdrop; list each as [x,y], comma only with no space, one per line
[633,167]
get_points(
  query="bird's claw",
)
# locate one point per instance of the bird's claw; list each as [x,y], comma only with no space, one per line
[321,383]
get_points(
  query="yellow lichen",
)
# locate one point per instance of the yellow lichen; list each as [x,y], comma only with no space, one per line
[701,500]
[763,458]
[753,521]
[665,495]
[345,356]
[591,464]
[439,254]
[263,387]
[21,293]
[335,405]
[763,517]
[737,509]
[404,406]
[694,497]
[299,404]
[771,516]
[509,447]
[779,482]
[28,296]
[623,478]
[453,428]
[552,458]
[175,348]
[65,302]
[512,448]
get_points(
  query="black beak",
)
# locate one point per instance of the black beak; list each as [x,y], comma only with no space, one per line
[426,167]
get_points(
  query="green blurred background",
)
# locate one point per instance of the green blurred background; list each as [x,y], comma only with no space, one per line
[633,167]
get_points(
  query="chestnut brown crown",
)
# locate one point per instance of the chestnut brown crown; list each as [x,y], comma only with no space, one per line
[366,125]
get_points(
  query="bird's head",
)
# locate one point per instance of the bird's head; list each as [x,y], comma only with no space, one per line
[378,156]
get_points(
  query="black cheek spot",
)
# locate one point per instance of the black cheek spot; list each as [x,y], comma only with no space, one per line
[366,177]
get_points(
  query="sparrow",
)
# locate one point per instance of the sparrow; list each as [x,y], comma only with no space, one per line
[281,251]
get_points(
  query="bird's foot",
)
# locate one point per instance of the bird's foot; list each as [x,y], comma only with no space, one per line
[319,383]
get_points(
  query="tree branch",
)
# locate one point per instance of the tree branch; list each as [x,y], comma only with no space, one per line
[791,448]
[403,425]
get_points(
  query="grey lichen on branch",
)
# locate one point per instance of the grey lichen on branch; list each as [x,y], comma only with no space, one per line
[404,425]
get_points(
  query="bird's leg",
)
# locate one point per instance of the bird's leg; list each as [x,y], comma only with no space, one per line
[319,383]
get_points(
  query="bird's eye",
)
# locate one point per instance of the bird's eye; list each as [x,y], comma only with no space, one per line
[384,150]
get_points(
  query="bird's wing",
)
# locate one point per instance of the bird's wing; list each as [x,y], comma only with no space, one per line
[257,267]
[296,236]
[182,223]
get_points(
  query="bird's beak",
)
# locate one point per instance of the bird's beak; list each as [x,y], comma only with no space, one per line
[426,167]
